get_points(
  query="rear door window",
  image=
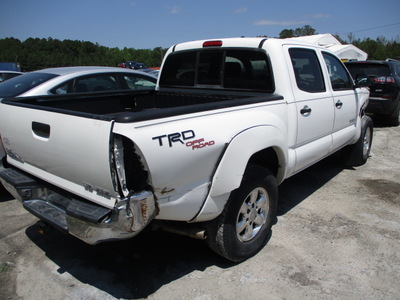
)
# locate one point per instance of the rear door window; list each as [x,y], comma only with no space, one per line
[96,83]
[307,70]
[62,89]
[84,84]
[136,82]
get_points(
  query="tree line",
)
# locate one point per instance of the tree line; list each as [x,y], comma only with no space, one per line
[34,53]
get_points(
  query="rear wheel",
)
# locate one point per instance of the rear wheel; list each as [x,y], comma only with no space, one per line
[245,224]
[357,154]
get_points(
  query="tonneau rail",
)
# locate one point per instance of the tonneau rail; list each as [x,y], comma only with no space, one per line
[135,106]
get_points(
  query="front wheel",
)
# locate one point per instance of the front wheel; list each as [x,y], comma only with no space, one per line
[245,224]
[357,154]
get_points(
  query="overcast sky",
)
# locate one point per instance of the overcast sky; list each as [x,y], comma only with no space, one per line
[146,24]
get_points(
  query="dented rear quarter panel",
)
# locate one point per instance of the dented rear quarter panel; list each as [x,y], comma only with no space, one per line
[182,154]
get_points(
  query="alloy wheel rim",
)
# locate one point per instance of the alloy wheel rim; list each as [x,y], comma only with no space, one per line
[367,141]
[252,214]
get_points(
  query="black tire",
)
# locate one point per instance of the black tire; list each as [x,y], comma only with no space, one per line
[240,232]
[358,153]
[394,118]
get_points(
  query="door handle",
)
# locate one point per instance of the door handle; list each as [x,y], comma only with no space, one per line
[41,129]
[305,111]
[339,104]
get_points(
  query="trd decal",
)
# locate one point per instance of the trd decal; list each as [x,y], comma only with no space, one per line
[175,137]
[185,138]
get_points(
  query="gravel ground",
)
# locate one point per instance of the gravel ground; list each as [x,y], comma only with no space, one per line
[337,237]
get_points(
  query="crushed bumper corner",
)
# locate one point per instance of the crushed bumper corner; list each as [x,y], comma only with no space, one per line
[85,220]
[129,217]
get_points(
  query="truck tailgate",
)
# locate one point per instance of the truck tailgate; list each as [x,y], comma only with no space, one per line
[65,150]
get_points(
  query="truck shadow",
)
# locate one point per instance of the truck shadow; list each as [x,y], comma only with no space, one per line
[299,187]
[4,195]
[131,269]
[138,267]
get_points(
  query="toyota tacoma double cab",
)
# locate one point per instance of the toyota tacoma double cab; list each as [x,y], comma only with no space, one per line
[202,155]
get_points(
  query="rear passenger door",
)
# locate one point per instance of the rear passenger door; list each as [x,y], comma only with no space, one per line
[315,114]
[345,101]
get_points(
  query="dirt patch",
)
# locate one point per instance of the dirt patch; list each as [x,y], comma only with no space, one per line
[385,190]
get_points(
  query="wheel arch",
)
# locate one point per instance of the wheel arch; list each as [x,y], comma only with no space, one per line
[268,158]
[260,145]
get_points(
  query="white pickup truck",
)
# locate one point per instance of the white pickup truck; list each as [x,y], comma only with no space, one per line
[202,155]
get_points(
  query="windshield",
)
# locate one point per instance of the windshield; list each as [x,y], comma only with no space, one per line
[21,84]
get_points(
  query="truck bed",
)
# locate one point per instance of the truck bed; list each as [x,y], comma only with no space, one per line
[136,105]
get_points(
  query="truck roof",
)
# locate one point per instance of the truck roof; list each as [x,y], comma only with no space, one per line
[246,42]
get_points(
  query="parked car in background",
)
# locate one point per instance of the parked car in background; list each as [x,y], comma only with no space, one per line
[135,65]
[69,80]
[132,65]
[5,75]
[384,100]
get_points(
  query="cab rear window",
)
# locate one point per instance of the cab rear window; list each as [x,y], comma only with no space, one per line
[220,69]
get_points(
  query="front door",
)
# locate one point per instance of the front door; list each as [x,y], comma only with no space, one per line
[344,101]
[315,114]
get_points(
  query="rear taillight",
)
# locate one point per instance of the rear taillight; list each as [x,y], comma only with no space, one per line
[384,79]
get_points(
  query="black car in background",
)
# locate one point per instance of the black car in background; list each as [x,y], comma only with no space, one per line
[384,76]
[136,65]
[133,65]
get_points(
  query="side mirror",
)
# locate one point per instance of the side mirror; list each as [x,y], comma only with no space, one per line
[362,80]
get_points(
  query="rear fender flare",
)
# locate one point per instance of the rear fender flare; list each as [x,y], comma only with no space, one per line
[231,168]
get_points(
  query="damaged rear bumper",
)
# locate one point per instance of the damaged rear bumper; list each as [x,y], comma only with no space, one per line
[87,221]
